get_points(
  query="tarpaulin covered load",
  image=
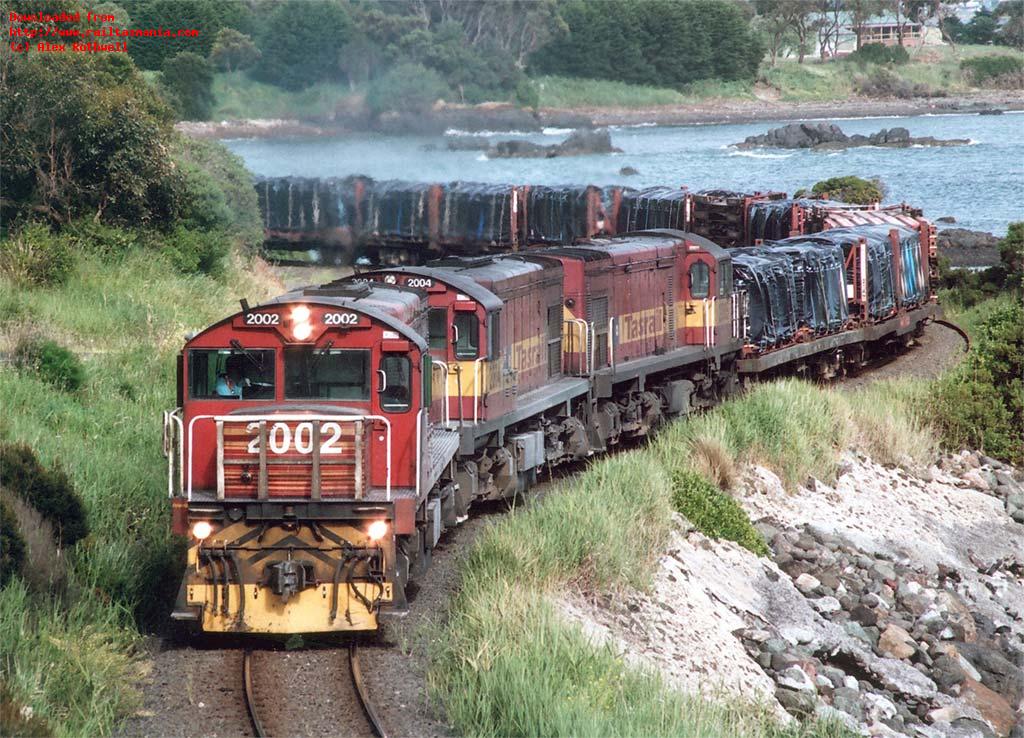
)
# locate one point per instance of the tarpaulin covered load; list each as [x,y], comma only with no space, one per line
[770,220]
[820,281]
[881,298]
[654,207]
[912,286]
[479,213]
[562,214]
[302,204]
[767,278]
[399,210]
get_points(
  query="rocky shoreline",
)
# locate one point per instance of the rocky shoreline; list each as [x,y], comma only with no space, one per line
[892,601]
[492,117]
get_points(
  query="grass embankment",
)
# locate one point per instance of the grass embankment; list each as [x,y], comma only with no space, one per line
[238,96]
[510,666]
[71,657]
[935,67]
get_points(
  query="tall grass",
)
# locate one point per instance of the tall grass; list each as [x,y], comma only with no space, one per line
[570,92]
[126,318]
[236,95]
[73,667]
[509,665]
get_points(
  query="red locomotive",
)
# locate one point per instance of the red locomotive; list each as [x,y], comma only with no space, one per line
[327,438]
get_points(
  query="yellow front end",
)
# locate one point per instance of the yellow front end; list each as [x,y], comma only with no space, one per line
[282,580]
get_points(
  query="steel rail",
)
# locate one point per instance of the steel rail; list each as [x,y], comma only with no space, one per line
[364,698]
[250,697]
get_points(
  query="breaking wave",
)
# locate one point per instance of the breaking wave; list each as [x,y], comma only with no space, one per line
[757,155]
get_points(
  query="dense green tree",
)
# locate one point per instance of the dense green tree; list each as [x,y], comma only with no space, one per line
[300,43]
[407,87]
[205,16]
[188,78]
[83,135]
[659,42]
[602,40]
[233,50]
[1010,13]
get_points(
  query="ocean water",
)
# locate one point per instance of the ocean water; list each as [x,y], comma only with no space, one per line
[980,184]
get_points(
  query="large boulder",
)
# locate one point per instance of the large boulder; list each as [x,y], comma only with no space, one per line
[578,143]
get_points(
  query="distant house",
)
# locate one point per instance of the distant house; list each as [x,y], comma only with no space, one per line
[888,33]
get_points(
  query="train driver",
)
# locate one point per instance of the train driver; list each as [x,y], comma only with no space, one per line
[231,382]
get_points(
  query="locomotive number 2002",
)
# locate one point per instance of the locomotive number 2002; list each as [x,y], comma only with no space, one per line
[280,438]
[340,318]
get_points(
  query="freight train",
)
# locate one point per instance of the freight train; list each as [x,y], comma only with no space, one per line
[399,222]
[325,440]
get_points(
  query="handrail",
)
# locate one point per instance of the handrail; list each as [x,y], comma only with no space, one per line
[443,365]
[476,388]
[293,418]
[611,342]
[419,451]
[585,348]
[172,418]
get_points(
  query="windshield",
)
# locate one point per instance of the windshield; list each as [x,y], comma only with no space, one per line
[341,374]
[229,374]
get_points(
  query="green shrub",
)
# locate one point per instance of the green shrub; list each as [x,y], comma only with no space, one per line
[193,251]
[47,490]
[189,79]
[849,189]
[37,256]
[211,165]
[12,545]
[526,94]
[883,83]
[879,54]
[51,362]
[713,512]
[983,69]
[407,87]
[101,239]
[980,405]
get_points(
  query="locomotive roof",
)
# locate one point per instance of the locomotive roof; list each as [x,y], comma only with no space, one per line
[460,282]
[492,272]
[390,305]
[600,248]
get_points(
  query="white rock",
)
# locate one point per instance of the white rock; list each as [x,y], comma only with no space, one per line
[878,707]
[807,583]
[796,678]
[826,604]
[850,682]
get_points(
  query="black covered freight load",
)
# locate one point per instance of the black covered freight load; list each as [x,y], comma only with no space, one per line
[881,300]
[562,214]
[820,282]
[654,207]
[400,211]
[768,279]
[302,204]
[884,290]
[472,213]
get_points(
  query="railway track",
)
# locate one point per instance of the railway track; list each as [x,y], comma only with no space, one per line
[308,693]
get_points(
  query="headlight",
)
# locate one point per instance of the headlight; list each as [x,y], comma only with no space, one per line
[300,314]
[302,331]
[377,530]
[202,530]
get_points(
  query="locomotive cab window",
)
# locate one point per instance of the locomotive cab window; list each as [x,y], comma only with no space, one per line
[228,374]
[437,327]
[395,376]
[700,280]
[725,279]
[467,336]
[311,373]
